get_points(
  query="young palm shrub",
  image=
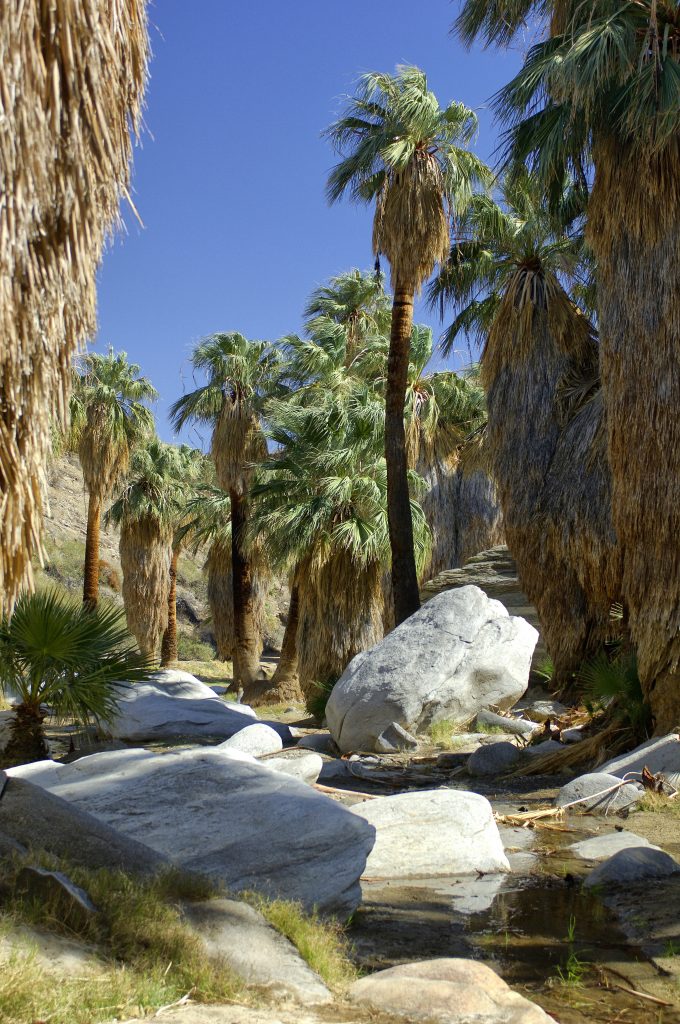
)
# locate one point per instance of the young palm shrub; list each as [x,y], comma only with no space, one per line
[72,80]
[146,512]
[108,418]
[56,651]
[320,499]
[606,88]
[402,150]
[550,467]
[241,374]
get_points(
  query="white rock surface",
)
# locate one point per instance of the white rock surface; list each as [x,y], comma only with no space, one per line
[634,864]
[167,707]
[459,654]
[602,847]
[659,755]
[240,823]
[303,765]
[239,935]
[446,990]
[258,740]
[515,726]
[593,786]
[433,833]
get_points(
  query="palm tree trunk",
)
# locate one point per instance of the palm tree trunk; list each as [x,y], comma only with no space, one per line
[91,572]
[634,230]
[404,576]
[27,741]
[169,642]
[246,637]
[284,685]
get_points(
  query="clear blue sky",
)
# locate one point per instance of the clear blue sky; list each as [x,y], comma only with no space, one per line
[229,178]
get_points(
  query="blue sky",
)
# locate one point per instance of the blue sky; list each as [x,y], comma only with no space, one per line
[229,178]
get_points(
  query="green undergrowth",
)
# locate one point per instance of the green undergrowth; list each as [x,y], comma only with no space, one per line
[444,732]
[322,944]
[149,957]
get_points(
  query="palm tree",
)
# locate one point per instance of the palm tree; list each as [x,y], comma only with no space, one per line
[401,149]
[65,151]
[192,467]
[108,417]
[146,512]
[606,88]
[506,278]
[54,650]
[241,374]
[320,499]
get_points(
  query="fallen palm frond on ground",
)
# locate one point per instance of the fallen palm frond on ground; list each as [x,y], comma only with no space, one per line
[604,744]
[540,818]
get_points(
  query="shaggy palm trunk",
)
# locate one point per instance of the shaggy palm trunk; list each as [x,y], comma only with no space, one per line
[91,572]
[145,558]
[284,685]
[169,642]
[404,575]
[340,615]
[246,634]
[221,598]
[634,230]
[27,740]
[561,544]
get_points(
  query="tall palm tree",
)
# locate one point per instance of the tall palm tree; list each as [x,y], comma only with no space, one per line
[402,150]
[108,417]
[241,374]
[192,469]
[72,80]
[320,499]
[606,88]
[506,279]
[146,512]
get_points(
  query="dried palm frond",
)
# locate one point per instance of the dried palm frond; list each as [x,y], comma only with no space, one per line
[592,751]
[145,553]
[72,77]
[221,597]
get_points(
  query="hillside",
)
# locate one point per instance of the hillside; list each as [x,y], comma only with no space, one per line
[65,528]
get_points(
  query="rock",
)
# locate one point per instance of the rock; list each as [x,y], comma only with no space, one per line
[322,742]
[546,747]
[542,710]
[516,726]
[426,834]
[394,738]
[37,819]
[446,990]
[593,786]
[242,824]
[659,755]
[574,735]
[239,935]
[493,759]
[601,847]
[73,904]
[459,654]
[258,739]
[634,864]
[305,765]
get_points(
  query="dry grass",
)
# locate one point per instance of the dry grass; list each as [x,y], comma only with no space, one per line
[72,77]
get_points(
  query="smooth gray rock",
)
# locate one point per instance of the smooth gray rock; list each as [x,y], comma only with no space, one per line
[303,765]
[39,820]
[322,742]
[601,847]
[446,990]
[542,710]
[240,936]
[459,654]
[515,726]
[546,747]
[659,755]
[433,833]
[634,864]
[593,786]
[574,735]
[258,739]
[74,905]
[493,759]
[394,738]
[240,823]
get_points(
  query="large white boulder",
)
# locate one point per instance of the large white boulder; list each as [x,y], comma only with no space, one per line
[659,755]
[257,739]
[459,654]
[176,705]
[438,832]
[242,824]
